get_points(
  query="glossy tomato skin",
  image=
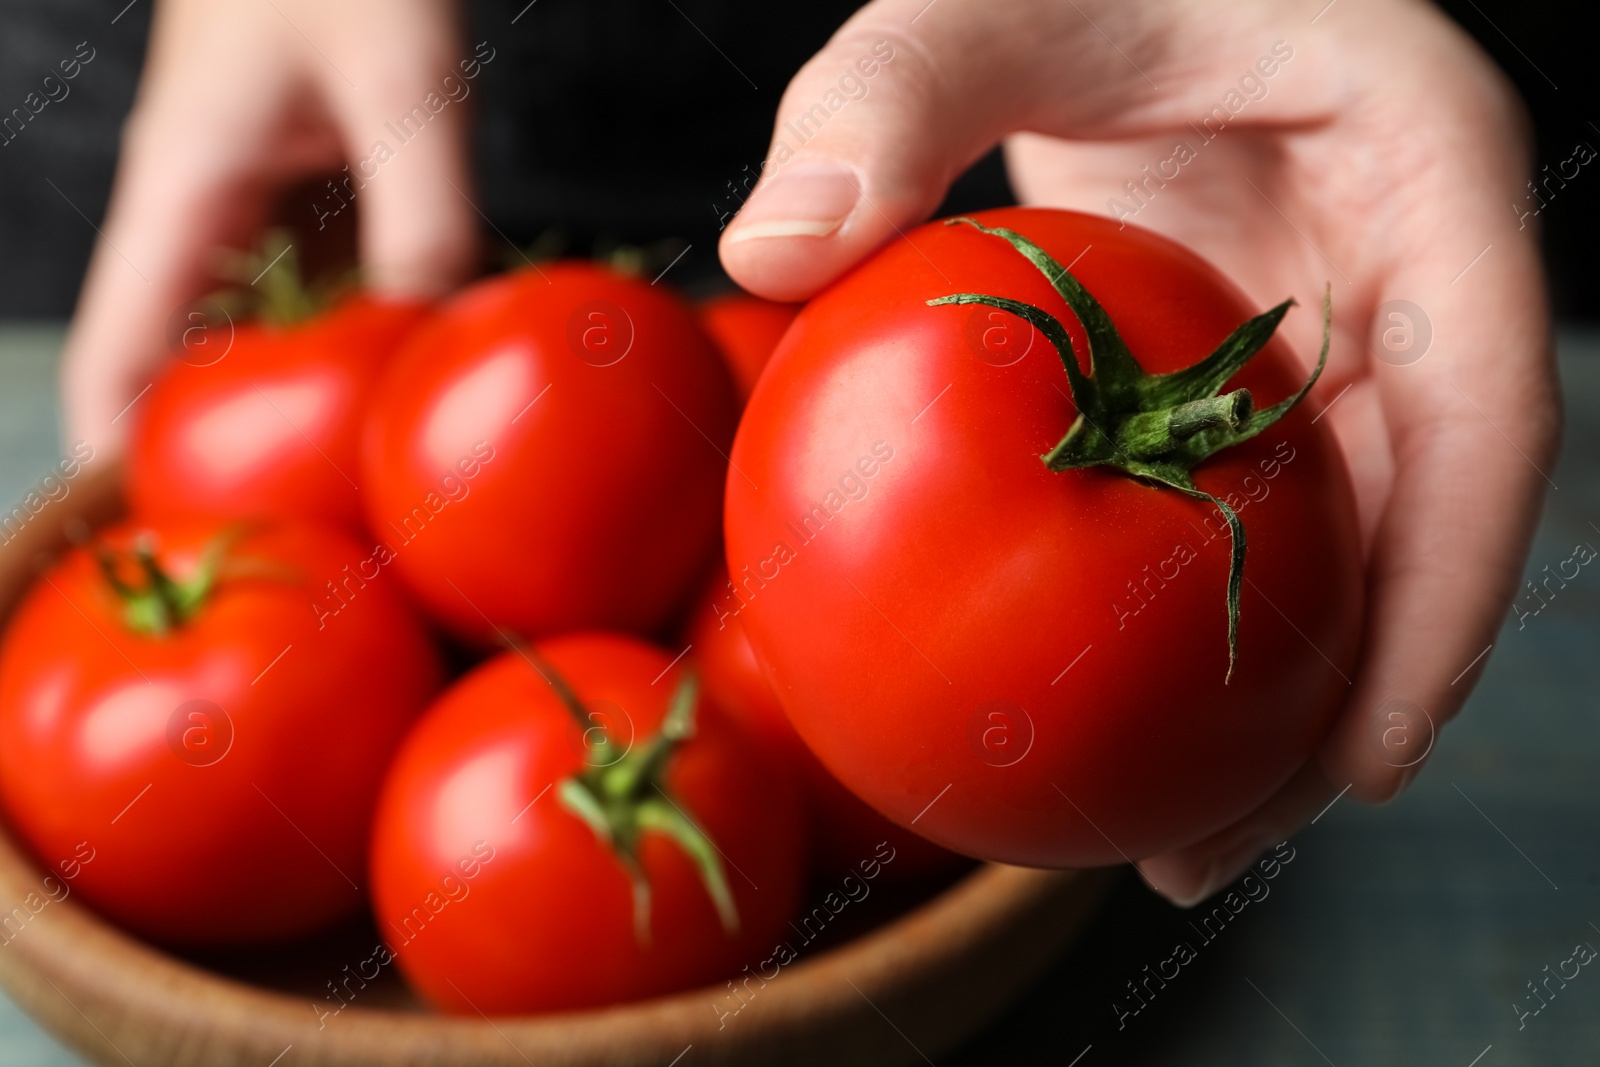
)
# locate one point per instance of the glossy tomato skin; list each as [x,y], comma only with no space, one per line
[272,427]
[745,330]
[1032,661]
[538,912]
[223,776]
[844,830]
[547,454]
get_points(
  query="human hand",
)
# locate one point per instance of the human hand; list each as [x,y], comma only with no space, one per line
[1380,154]
[237,101]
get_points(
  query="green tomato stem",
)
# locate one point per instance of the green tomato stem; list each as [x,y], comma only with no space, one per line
[1153,427]
[626,797]
[162,603]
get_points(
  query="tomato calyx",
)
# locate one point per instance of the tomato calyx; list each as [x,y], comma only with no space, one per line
[1153,427]
[272,287]
[623,795]
[157,603]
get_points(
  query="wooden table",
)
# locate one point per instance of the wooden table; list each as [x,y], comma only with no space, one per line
[1401,935]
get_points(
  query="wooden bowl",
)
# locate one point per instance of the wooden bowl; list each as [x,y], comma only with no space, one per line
[898,993]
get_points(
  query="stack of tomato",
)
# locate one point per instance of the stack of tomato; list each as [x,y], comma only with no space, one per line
[239,702]
[986,567]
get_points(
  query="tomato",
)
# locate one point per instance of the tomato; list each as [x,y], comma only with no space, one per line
[495,894]
[745,329]
[264,421]
[843,829]
[1033,664]
[218,751]
[547,454]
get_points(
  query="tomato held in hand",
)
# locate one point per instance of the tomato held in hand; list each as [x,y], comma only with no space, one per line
[262,420]
[188,722]
[1012,624]
[844,830]
[745,330]
[592,838]
[547,454]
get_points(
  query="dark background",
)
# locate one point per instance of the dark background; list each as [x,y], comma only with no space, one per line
[599,123]
[1541,45]
[593,124]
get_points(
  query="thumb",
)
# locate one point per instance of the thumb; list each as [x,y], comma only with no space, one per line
[905,96]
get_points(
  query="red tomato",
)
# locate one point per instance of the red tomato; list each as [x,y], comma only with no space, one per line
[223,773]
[844,830]
[495,896]
[547,454]
[745,329]
[1033,661]
[267,423]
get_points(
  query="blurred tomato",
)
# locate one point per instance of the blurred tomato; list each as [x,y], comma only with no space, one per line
[215,740]
[547,454]
[258,420]
[844,830]
[498,893]
[745,330]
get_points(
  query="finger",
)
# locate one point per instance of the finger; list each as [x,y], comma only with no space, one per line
[185,187]
[404,123]
[116,340]
[907,94]
[873,129]
[1446,559]
[1192,874]
[1474,425]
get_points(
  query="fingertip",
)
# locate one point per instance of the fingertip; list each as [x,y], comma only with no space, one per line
[420,270]
[419,235]
[419,213]
[1180,879]
[788,268]
[1369,782]
[1378,748]
[802,226]
[98,405]
[1189,877]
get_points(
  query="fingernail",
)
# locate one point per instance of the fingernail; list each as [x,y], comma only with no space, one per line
[810,198]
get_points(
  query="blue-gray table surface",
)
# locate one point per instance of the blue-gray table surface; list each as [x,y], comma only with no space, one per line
[1400,935]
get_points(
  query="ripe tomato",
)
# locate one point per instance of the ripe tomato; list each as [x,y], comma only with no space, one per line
[495,895]
[547,454]
[844,830]
[222,771]
[1034,660]
[272,427]
[745,329]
